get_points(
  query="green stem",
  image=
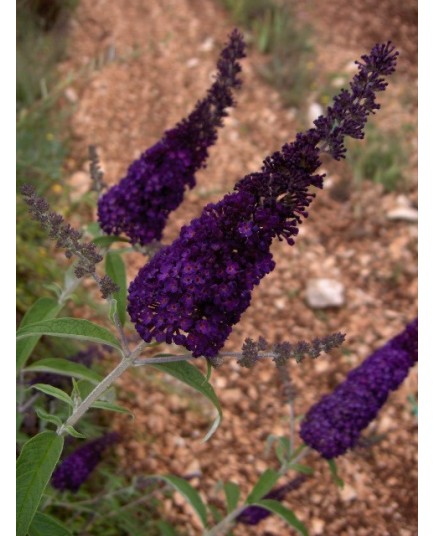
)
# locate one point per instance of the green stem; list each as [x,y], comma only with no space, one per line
[66,294]
[163,359]
[82,408]
[100,389]
[189,357]
[225,524]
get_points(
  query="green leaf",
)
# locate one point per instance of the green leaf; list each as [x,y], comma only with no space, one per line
[70,277]
[282,449]
[266,481]
[35,466]
[94,228]
[55,288]
[189,374]
[75,393]
[64,367]
[285,513]
[73,328]
[101,404]
[113,310]
[334,472]
[19,420]
[305,469]
[53,391]
[73,432]
[44,525]
[42,309]
[296,452]
[215,512]
[115,268]
[271,438]
[165,529]
[45,416]
[208,370]
[82,389]
[188,492]
[107,241]
[232,493]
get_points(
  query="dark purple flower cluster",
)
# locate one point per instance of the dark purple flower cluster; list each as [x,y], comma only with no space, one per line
[193,292]
[155,183]
[333,425]
[75,469]
[253,515]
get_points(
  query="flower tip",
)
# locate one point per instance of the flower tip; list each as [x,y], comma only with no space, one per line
[27,190]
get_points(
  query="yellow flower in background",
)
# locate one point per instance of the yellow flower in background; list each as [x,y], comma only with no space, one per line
[50,136]
[56,189]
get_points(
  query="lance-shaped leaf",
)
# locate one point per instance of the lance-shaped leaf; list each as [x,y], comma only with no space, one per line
[54,392]
[232,493]
[64,367]
[266,481]
[73,328]
[305,469]
[45,525]
[102,404]
[73,432]
[45,416]
[107,240]
[42,309]
[334,472]
[188,492]
[189,374]
[285,513]
[35,466]
[115,268]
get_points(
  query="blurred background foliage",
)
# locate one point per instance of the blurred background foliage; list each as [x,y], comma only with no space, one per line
[41,135]
[276,31]
[381,157]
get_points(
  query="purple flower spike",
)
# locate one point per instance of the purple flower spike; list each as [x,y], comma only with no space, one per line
[75,469]
[333,425]
[351,109]
[253,515]
[155,183]
[193,292]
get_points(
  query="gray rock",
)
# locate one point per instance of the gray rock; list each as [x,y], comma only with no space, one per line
[403,213]
[314,111]
[322,293]
[207,45]
[403,210]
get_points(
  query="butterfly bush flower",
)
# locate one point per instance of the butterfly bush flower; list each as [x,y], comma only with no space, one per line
[155,183]
[193,291]
[65,236]
[75,469]
[333,425]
